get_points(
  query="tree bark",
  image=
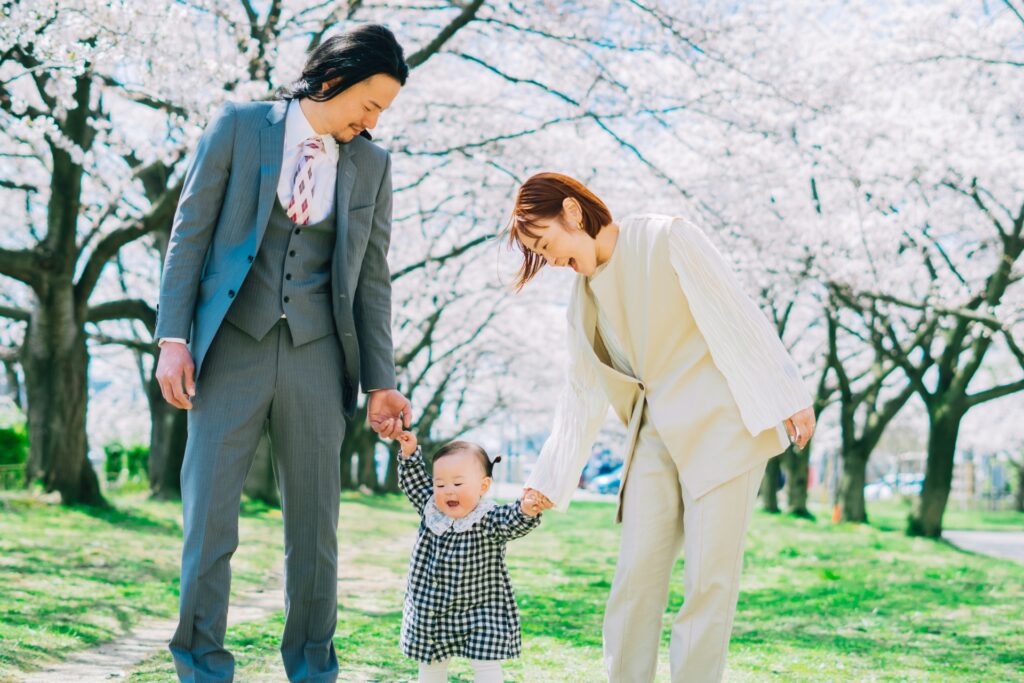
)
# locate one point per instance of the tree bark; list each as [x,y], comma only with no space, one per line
[1019,499]
[944,426]
[770,485]
[852,507]
[55,361]
[13,383]
[168,433]
[357,448]
[391,477]
[797,465]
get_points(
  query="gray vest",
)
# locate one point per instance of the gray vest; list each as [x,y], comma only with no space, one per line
[291,275]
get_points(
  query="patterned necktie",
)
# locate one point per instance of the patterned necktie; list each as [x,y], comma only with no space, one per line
[302,186]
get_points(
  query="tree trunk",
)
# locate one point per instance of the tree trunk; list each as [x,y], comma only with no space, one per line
[168,433]
[770,485]
[391,478]
[261,481]
[1019,499]
[943,428]
[851,485]
[13,383]
[56,365]
[797,475]
[358,446]
[368,469]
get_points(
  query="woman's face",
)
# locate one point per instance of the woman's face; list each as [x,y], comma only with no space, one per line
[563,243]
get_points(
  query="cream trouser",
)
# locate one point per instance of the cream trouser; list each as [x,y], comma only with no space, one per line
[484,671]
[656,509]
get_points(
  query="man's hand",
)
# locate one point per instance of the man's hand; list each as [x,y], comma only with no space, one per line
[175,372]
[388,412]
[536,500]
[800,427]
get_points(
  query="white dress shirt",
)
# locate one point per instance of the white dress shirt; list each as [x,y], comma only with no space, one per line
[325,170]
[325,166]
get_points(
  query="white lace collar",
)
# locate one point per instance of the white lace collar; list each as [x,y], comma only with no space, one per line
[439,523]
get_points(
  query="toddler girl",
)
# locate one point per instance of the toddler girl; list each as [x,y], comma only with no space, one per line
[459,600]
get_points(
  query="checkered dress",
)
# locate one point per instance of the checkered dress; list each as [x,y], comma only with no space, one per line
[459,600]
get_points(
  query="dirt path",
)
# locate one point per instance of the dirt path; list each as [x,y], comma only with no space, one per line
[114,660]
[1005,544]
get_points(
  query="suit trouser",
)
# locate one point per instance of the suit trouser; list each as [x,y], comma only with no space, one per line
[244,384]
[658,519]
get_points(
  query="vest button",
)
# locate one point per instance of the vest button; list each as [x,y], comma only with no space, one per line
[231,294]
[288,276]
[286,299]
[291,253]
[298,231]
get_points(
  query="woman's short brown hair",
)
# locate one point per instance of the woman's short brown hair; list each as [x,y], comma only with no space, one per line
[541,197]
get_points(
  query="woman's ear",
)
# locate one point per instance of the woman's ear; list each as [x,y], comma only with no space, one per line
[573,212]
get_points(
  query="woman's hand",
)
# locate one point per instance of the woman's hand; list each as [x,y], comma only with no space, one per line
[407,442]
[800,427]
[536,499]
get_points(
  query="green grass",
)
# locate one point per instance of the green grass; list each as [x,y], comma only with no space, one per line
[74,577]
[819,602]
[892,515]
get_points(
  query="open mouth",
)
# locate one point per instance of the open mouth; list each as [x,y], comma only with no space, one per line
[452,504]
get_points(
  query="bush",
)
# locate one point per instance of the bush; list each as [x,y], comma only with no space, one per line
[13,445]
[133,458]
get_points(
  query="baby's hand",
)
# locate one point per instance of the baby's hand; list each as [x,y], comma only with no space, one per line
[407,441]
[530,504]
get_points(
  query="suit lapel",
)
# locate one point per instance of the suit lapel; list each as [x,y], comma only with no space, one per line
[343,193]
[271,151]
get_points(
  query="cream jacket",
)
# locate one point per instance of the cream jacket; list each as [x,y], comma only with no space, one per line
[668,265]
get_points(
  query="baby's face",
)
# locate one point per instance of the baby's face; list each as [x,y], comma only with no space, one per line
[459,482]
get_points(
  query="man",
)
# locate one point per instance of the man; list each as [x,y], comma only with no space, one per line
[275,306]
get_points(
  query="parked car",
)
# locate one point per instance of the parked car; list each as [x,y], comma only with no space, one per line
[608,482]
[904,484]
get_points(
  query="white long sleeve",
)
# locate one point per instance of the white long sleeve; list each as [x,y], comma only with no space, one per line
[762,376]
[581,410]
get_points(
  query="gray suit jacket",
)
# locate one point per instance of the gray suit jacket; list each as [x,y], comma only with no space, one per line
[222,215]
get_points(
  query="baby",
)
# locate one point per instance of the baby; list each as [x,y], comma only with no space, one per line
[459,600]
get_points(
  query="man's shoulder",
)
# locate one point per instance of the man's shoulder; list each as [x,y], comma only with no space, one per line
[365,149]
[253,111]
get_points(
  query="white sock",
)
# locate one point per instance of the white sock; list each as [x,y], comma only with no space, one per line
[435,672]
[486,671]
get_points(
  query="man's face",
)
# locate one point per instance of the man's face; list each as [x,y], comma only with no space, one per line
[350,112]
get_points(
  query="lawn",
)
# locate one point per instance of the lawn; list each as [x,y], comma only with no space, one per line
[819,602]
[72,578]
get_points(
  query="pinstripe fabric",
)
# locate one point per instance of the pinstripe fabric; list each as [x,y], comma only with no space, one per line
[299,391]
[659,517]
[291,275]
[220,224]
[244,380]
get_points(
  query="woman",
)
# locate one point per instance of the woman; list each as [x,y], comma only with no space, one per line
[660,330]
